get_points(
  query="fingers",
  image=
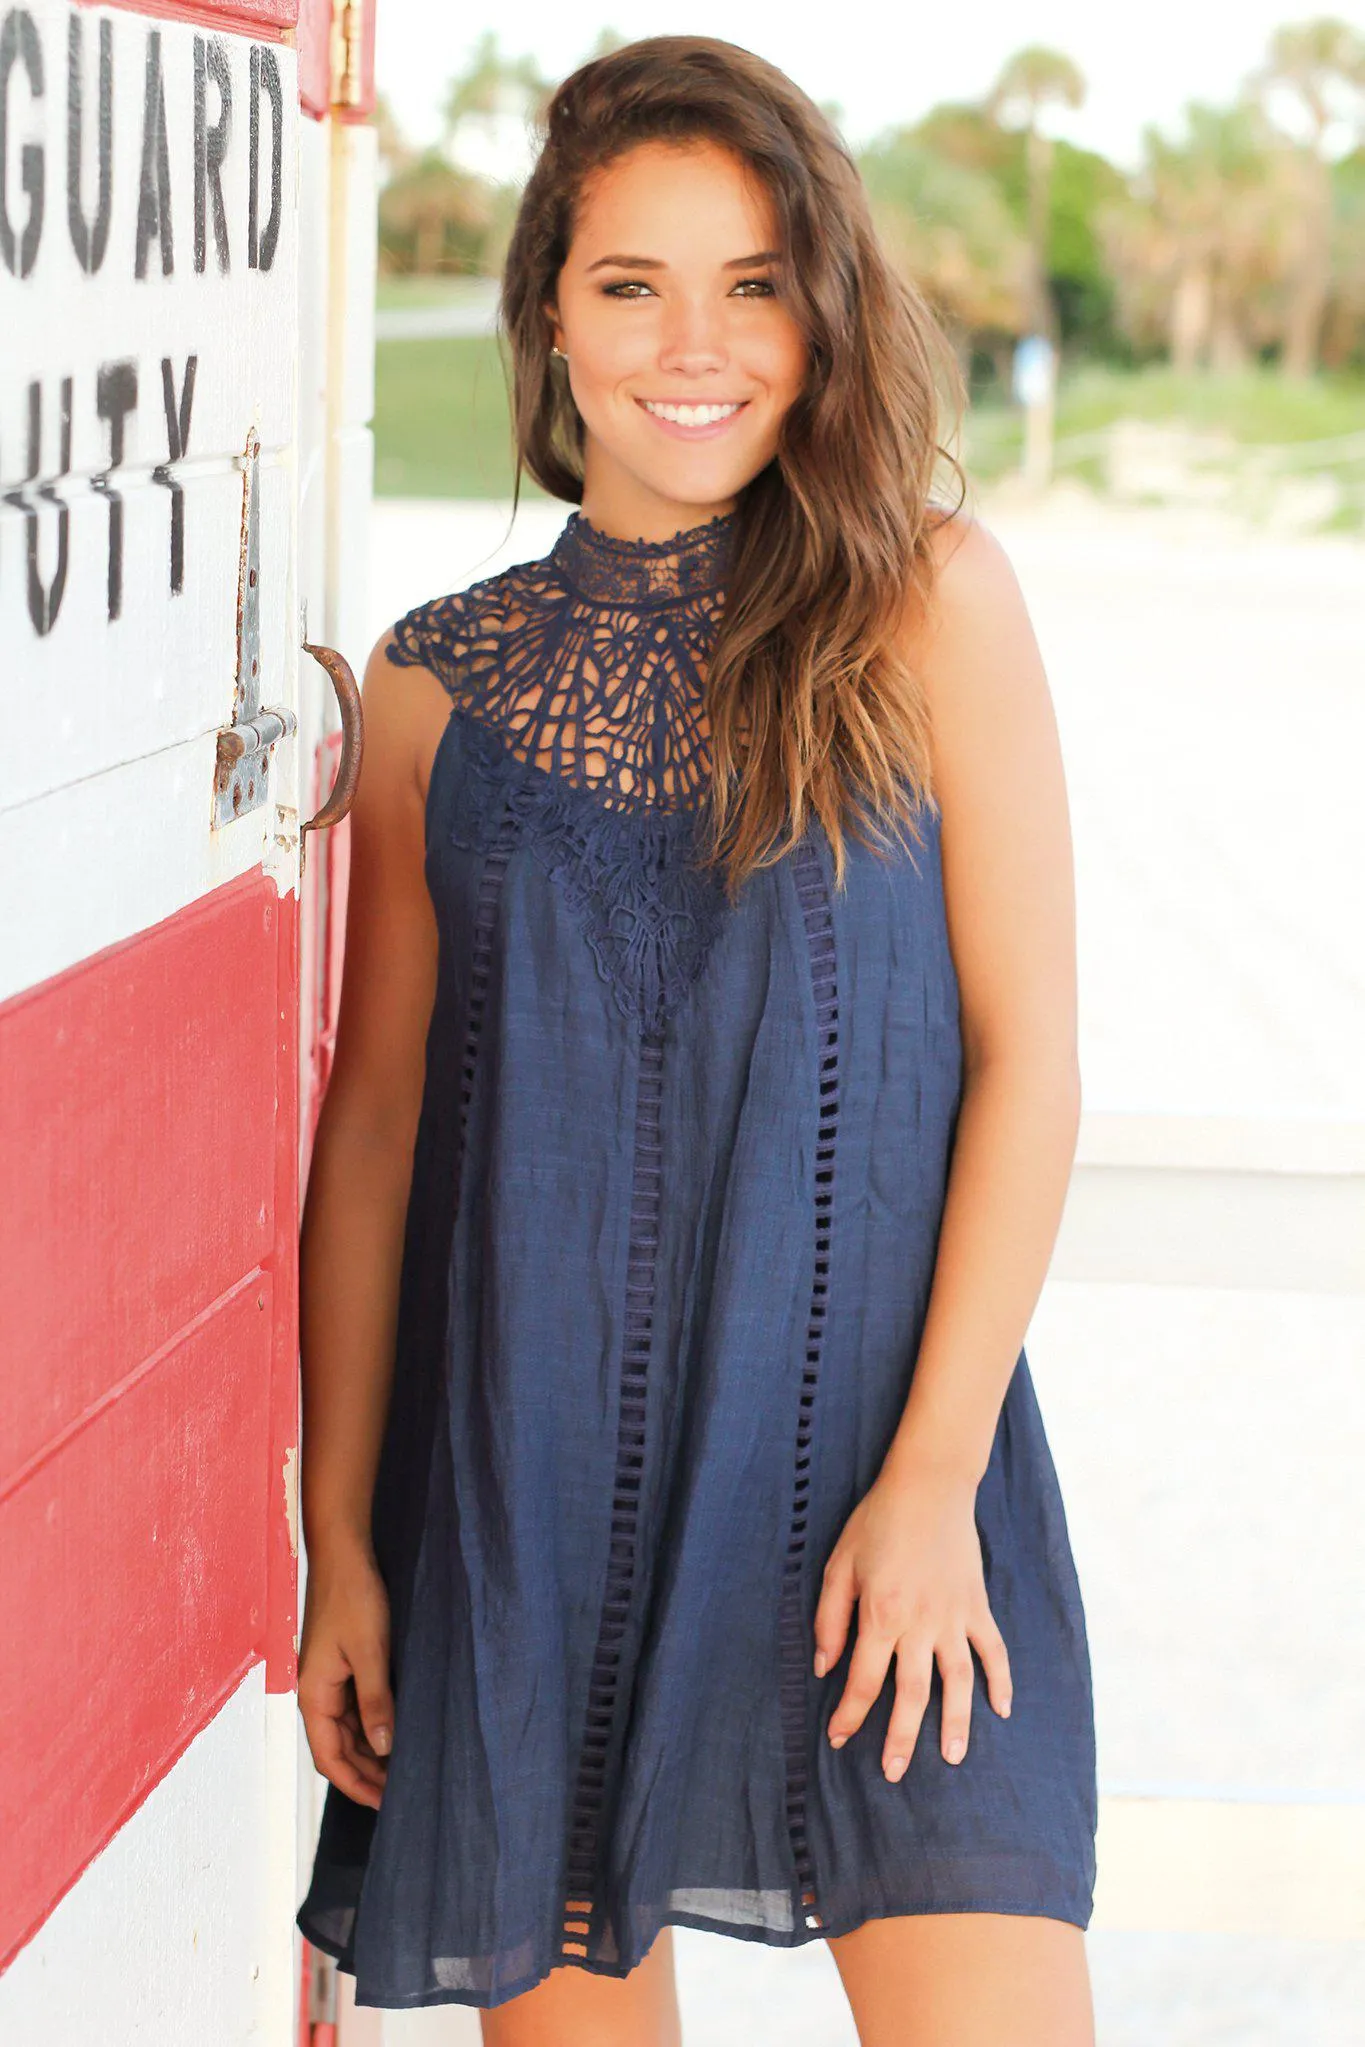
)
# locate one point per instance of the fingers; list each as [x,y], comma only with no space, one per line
[833,1614]
[990,1647]
[915,1657]
[373,1697]
[356,1758]
[955,1668]
[866,1669]
[344,1750]
[342,1755]
[914,1664]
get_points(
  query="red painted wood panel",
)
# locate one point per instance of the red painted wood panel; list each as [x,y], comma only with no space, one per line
[140,1153]
[282,1546]
[132,1601]
[314,45]
[266,20]
[149,1405]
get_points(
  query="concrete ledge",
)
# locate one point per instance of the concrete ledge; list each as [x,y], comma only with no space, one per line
[1240,1144]
[1216,1201]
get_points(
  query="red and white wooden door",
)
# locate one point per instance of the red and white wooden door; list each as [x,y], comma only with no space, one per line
[186,282]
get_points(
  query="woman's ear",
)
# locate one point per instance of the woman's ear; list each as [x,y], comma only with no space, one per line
[556,332]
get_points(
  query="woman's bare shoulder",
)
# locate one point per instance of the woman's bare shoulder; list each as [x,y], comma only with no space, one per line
[969,561]
[977,658]
[976,610]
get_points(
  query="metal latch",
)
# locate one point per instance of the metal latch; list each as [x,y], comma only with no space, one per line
[241,781]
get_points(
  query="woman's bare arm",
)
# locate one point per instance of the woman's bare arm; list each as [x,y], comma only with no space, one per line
[353,1223]
[1007,872]
[909,1555]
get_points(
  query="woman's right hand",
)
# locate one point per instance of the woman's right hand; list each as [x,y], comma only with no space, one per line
[344,1693]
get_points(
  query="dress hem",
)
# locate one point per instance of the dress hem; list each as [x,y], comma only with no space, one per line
[1069,1914]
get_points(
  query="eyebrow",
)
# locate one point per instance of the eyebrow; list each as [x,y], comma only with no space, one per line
[654,263]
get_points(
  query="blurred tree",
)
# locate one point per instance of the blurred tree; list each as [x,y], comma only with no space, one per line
[434,217]
[608,39]
[1321,64]
[966,134]
[1343,336]
[1079,278]
[490,83]
[395,153]
[491,107]
[1078,274]
[946,226]
[1032,79]
[1201,247]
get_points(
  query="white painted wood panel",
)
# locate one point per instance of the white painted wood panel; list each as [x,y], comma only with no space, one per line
[175,277]
[173,1933]
[148,331]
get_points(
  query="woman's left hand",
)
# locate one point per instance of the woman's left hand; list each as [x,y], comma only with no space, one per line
[910,1556]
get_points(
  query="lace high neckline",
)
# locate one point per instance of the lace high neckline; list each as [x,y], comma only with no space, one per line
[598,566]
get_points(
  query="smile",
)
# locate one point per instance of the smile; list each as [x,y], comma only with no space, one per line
[692,420]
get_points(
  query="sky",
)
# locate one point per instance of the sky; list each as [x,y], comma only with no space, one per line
[882,66]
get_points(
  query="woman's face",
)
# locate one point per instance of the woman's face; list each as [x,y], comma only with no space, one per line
[668,302]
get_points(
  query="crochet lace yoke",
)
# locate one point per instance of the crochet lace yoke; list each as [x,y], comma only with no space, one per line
[579,684]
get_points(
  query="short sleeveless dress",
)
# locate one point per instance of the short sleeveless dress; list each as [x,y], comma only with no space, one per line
[675,1202]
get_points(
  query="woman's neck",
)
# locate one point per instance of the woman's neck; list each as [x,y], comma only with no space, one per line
[621,506]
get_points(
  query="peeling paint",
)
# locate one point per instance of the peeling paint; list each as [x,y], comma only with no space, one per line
[291,1497]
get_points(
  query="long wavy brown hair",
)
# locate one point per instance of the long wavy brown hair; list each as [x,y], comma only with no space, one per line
[812,698]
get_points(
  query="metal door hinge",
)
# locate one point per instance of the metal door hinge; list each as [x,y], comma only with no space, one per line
[242,773]
[347,24]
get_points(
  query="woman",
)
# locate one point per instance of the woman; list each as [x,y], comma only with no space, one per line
[704,1100]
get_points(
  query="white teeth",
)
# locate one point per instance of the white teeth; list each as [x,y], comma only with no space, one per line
[691,415]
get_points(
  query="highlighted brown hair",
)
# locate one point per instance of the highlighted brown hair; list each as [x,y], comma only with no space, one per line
[812,699]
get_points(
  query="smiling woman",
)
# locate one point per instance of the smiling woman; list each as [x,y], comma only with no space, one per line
[696,349]
[692,1159]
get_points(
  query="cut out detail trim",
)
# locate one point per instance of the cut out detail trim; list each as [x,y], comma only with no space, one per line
[793,1634]
[607,697]
[597,1752]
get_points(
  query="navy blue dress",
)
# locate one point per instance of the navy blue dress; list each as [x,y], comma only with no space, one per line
[675,1201]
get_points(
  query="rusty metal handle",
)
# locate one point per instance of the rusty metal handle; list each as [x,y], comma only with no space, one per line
[338,669]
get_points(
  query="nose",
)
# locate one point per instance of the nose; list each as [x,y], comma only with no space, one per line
[693,342]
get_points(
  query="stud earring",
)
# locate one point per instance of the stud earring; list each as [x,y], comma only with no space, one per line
[560,353]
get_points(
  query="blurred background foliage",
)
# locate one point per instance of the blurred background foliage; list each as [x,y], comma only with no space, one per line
[1217,289]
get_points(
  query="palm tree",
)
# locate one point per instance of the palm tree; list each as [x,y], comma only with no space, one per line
[947,227]
[1344,328]
[433,217]
[950,232]
[608,39]
[1032,79]
[1322,63]
[493,87]
[1202,247]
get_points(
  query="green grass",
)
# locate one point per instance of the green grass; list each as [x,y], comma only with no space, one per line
[1270,423]
[442,426]
[441,422]
[1256,407]
[403,294]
